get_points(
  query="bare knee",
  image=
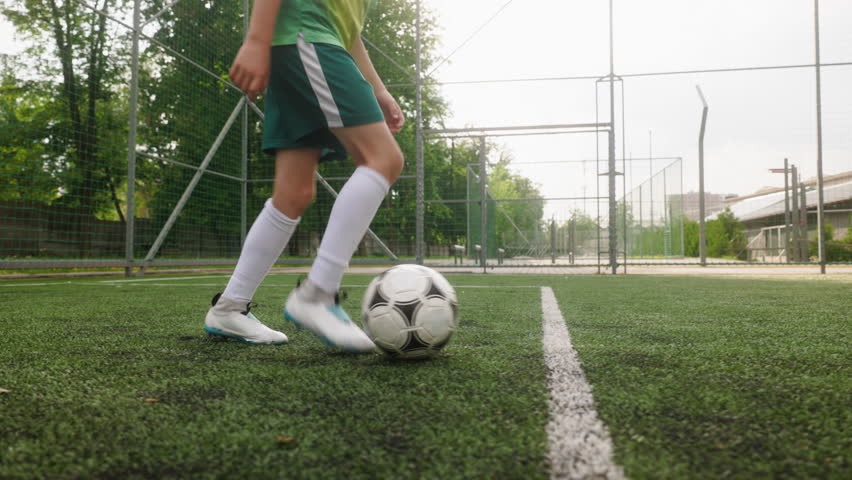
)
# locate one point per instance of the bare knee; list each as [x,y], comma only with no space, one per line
[388,163]
[395,162]
[294,201]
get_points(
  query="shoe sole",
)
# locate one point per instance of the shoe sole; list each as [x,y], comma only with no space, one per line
[214,332]
[322,337]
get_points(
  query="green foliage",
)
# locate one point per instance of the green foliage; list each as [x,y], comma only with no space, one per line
[73,115]
[848,237]
[183,109]
[835,251]
[691,240]
[65,136]
[526,215]
[726,236]
[26,169]
[665,238]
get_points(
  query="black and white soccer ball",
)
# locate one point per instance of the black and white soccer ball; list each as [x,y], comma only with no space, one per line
[410,311]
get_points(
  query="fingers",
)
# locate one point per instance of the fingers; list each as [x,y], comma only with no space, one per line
[256,85]
[236,75]
[393,114]
[396,120]
[252,84]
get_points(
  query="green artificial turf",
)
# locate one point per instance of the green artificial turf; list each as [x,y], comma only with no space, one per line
[118,381]
[719,377]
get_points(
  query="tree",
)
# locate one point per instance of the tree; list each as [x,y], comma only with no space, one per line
[26,114]
[726,237]
[691,234]
[89,68]
[526,214]
[839,250]
[183,108]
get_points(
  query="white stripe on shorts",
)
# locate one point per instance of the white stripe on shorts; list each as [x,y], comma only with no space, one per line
[308,55]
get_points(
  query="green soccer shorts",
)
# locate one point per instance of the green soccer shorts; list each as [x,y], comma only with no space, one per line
[314,87]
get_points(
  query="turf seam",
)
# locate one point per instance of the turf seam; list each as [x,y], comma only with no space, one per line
[579,443]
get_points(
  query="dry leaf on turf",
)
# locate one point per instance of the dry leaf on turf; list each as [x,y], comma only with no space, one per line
[3,390]
[285,440]
[152,400]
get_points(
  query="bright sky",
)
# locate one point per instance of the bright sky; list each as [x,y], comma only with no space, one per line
[756,119]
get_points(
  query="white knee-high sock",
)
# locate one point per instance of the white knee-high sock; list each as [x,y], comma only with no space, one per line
[264,243]
[354,209]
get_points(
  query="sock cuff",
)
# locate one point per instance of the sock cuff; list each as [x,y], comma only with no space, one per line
[280,220]
[326,274]
[374,176]
[332,259]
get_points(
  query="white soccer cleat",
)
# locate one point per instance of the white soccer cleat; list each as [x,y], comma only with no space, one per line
[327,320]
[228,318]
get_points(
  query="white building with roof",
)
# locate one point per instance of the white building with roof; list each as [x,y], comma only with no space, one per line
[763,215]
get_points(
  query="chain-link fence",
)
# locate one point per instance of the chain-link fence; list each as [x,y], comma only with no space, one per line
[653,217]
[124,144]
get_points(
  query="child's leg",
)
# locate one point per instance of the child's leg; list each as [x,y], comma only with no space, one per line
[293,192]
[380,162]
[312,305]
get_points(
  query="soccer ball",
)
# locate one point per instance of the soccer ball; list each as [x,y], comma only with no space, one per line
[410,311]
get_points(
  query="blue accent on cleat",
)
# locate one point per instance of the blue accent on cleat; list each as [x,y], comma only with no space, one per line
[336,310]
[214,332]
[292,319]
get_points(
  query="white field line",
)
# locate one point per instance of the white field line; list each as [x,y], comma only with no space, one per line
[579,442]
[131,283]
[168,279]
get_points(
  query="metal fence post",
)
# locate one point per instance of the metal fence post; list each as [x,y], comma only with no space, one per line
[795,226]
[420,207]
[820,194]
[572,240]
[244,166]
[651,177]
[667,233]
[803,217]
[702,234]
[641,224]
[613,228]
[130,217]
[553,241]
[483,219]
[787,251]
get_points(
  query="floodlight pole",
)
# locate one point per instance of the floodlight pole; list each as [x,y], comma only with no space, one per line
[821,199]
[613,239]
[130,216]
[702,235]
[419,238]
[651,176]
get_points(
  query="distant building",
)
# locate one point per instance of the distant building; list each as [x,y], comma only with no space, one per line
[763,215]
[713,204]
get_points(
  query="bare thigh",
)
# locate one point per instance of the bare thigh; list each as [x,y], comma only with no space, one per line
[372,145]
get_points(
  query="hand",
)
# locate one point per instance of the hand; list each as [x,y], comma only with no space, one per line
[250,70]
[391,111]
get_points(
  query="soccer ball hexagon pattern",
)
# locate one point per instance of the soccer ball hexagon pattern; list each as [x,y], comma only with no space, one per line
[410,311]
